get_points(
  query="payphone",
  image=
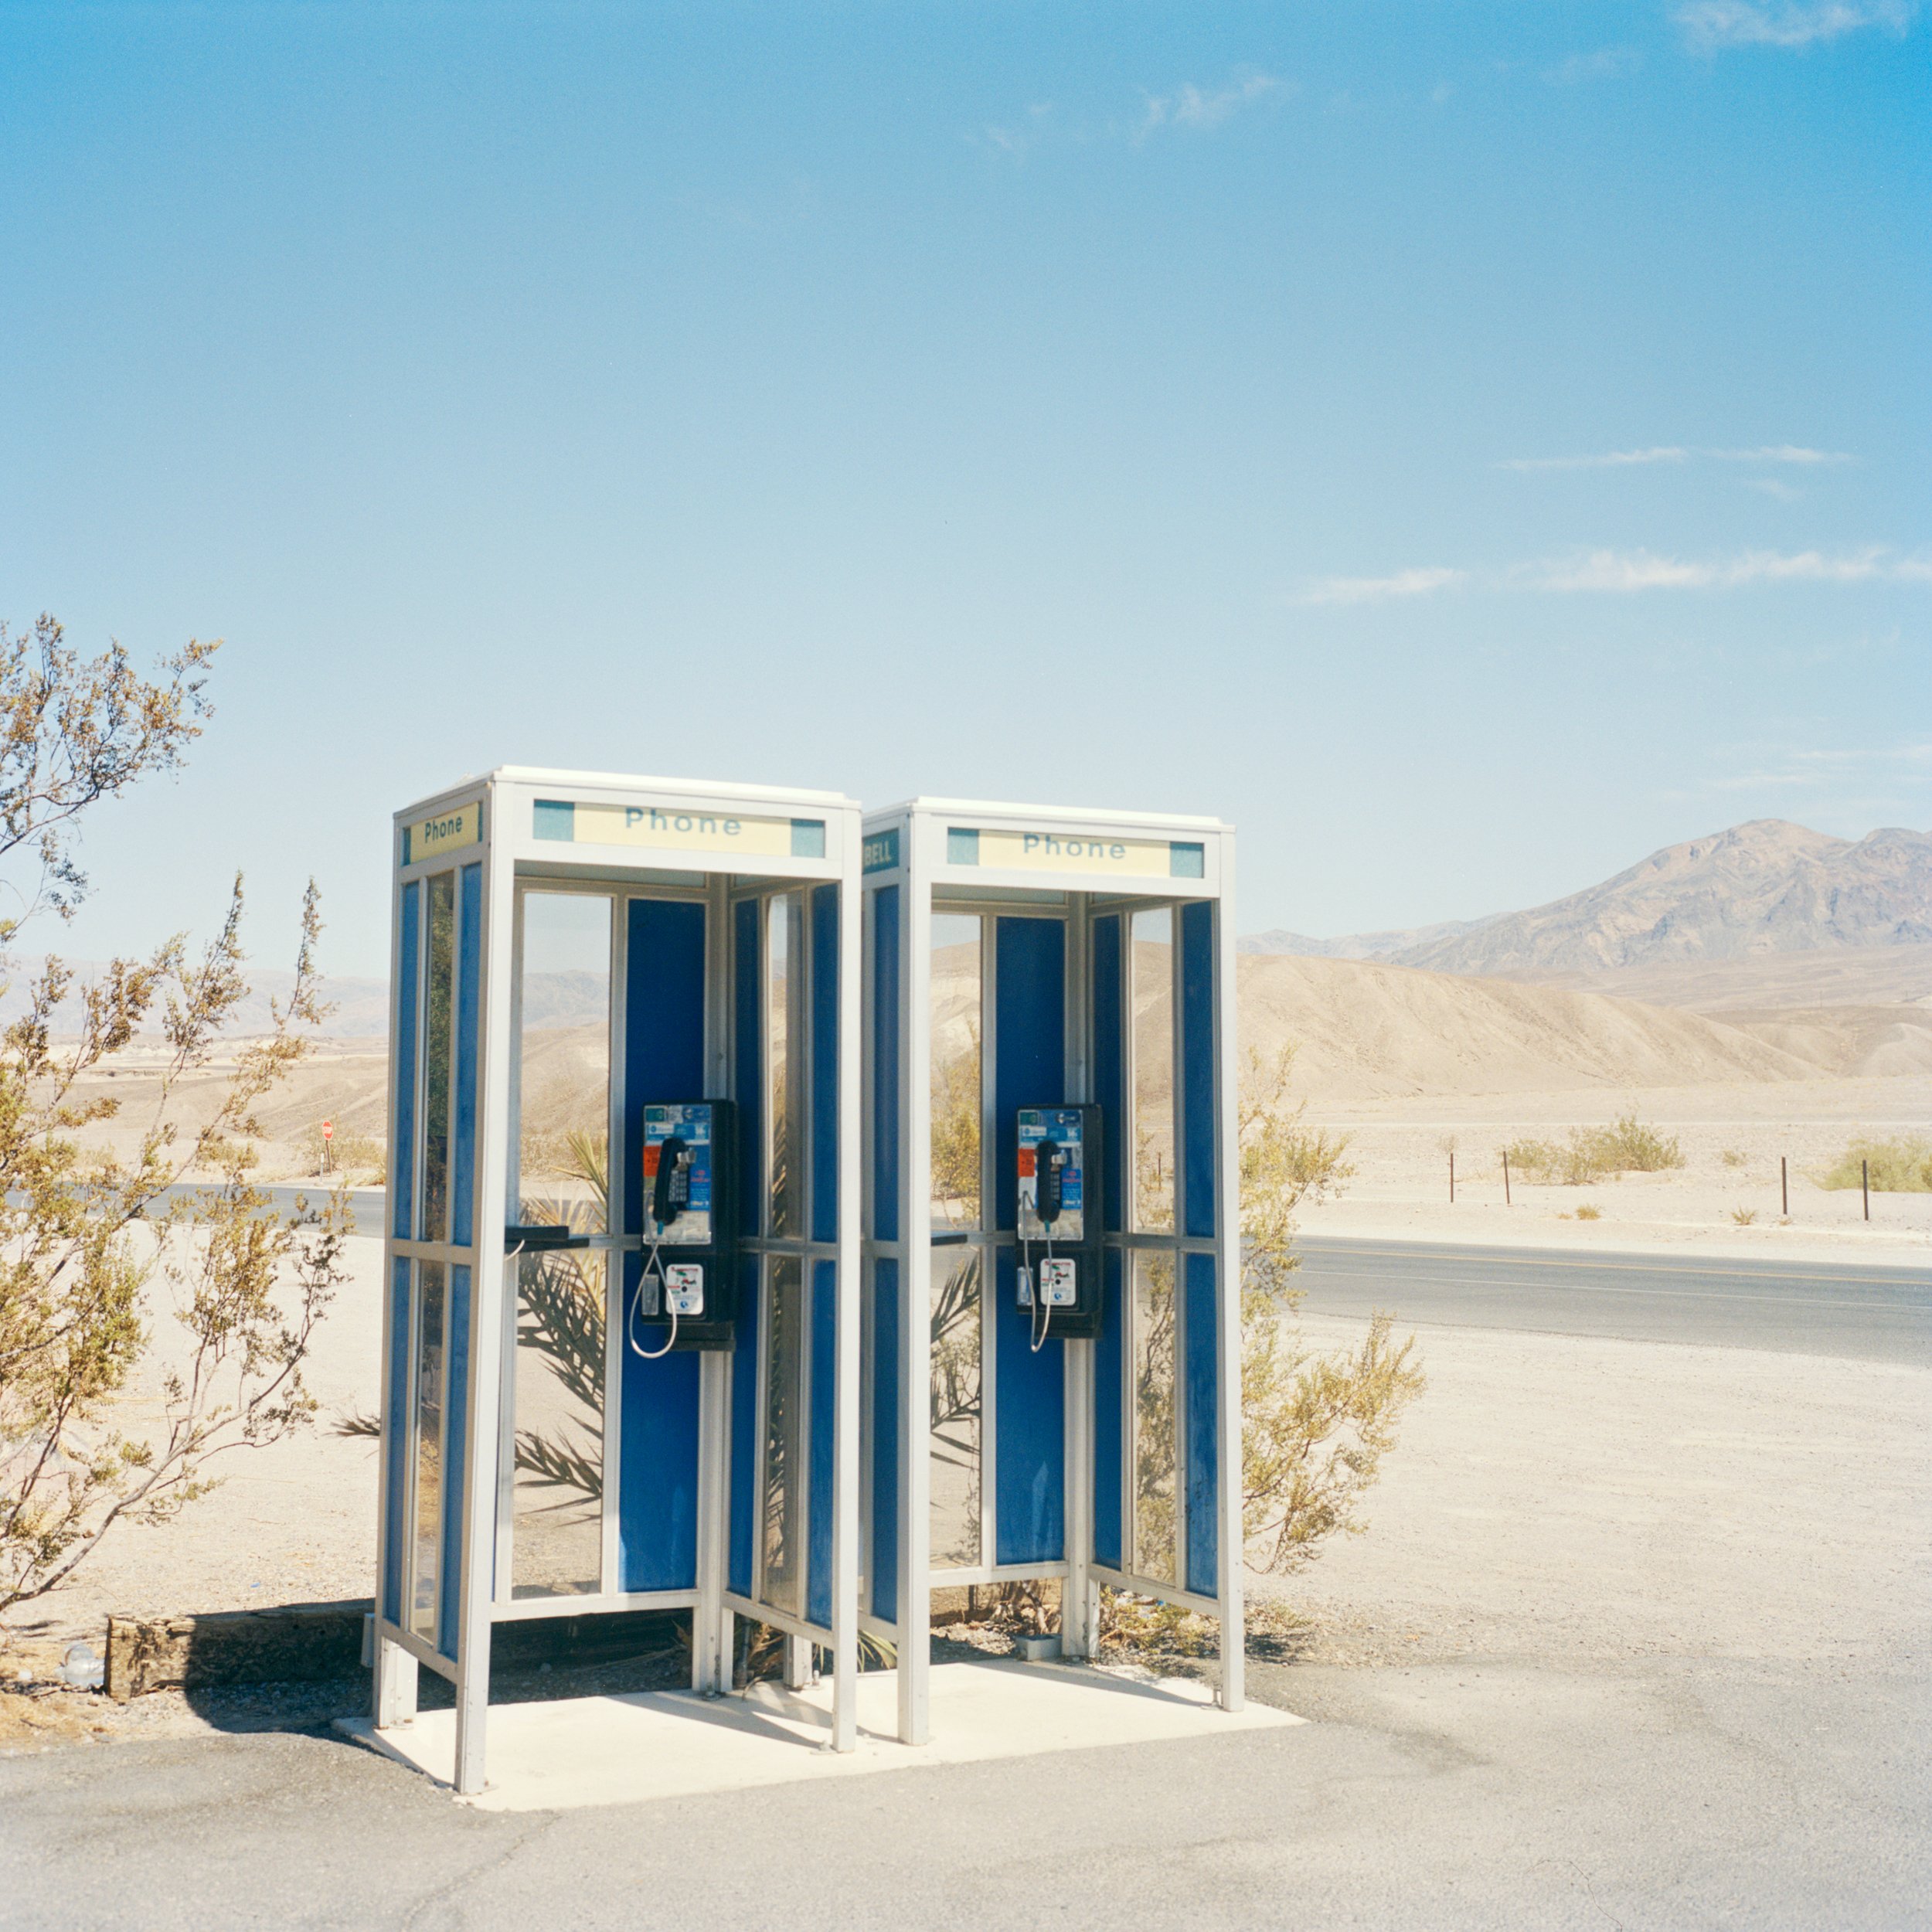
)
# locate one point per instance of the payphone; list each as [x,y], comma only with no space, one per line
[1060,1215]
[690,1206]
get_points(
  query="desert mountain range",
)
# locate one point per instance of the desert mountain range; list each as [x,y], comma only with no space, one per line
[1768,953]
[1765,887]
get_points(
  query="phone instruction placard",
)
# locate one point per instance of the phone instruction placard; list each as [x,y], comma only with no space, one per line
[1064,1127]
[692,1123]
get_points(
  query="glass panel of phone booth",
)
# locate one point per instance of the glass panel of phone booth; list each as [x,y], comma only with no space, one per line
[957,1275]
[428,1430]
[784,1055]
[556,1544]
[782,1566]
[957,1027]
[564,1087]
[1155,1420]
[1152,996]
[436,1058]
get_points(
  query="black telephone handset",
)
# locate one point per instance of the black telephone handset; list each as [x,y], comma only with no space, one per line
[1049,1158]
[670,1192]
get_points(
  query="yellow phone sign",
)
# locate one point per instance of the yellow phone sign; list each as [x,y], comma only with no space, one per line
[442,832]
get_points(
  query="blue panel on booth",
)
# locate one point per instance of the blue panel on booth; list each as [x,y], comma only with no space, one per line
[664,1024]
[744,1429]
[1109,1348]
[456,1438]
[884,1064]
[1029,1428]
[1203,1371]
[657,1478]
[402,1196]
[825,1063]
[885,1439]
[395,1474]
[1030,1038]
[747,1062]
[469,1016]
[819,1409]
[1197,1066]
[1109,1056]
[663,1059]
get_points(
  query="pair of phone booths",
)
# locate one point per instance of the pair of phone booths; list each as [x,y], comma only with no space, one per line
[791,1216]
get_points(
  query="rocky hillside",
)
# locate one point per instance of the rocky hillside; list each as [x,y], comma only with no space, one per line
[1765,887]
[1364,1030]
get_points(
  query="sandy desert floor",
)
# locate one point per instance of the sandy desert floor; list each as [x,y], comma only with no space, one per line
[1731,1138]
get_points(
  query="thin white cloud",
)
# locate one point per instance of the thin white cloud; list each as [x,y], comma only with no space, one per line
[1404,583]
[1016,138]
[1674,453]
[1203,108]
[1908,766]
[1627,570]
[1608,459]
[1709,25]
[1621,573]
[1778,453]
[1908,754]
[1606,63]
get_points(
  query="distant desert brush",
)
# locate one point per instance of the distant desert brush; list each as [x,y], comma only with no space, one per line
[1586,1213]
[1627,1146]
[1743,1216]
[1900,1166]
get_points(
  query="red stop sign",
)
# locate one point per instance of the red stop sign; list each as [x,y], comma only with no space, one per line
[328,1130]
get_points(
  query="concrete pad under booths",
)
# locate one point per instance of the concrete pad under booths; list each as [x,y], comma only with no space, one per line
[626,1751]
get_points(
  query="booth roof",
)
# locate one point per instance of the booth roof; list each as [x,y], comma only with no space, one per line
[986,808]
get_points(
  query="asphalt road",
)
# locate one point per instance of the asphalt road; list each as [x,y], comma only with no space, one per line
[1650,1793]
[1860,1314]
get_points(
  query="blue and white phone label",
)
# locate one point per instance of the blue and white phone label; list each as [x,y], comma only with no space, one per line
[1063,1126]
[690,1122]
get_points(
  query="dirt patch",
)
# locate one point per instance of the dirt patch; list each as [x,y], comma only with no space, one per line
[1573,1499]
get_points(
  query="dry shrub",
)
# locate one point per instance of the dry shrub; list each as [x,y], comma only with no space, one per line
[1627,1146]
[1314,1427]
[1900,1166]
[86,1238]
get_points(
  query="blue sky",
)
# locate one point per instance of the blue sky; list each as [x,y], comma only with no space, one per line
[1468,446]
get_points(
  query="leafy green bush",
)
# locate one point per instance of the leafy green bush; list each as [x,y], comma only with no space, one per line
[1901,1166]
[1627,1146]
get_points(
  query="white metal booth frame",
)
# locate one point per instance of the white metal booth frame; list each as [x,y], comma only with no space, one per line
[568,947]
[1023,955]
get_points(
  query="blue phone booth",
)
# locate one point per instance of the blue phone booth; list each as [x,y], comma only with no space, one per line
[622,1362]
[1052,1284]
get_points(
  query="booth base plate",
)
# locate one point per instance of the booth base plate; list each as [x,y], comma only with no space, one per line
[627,1750]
